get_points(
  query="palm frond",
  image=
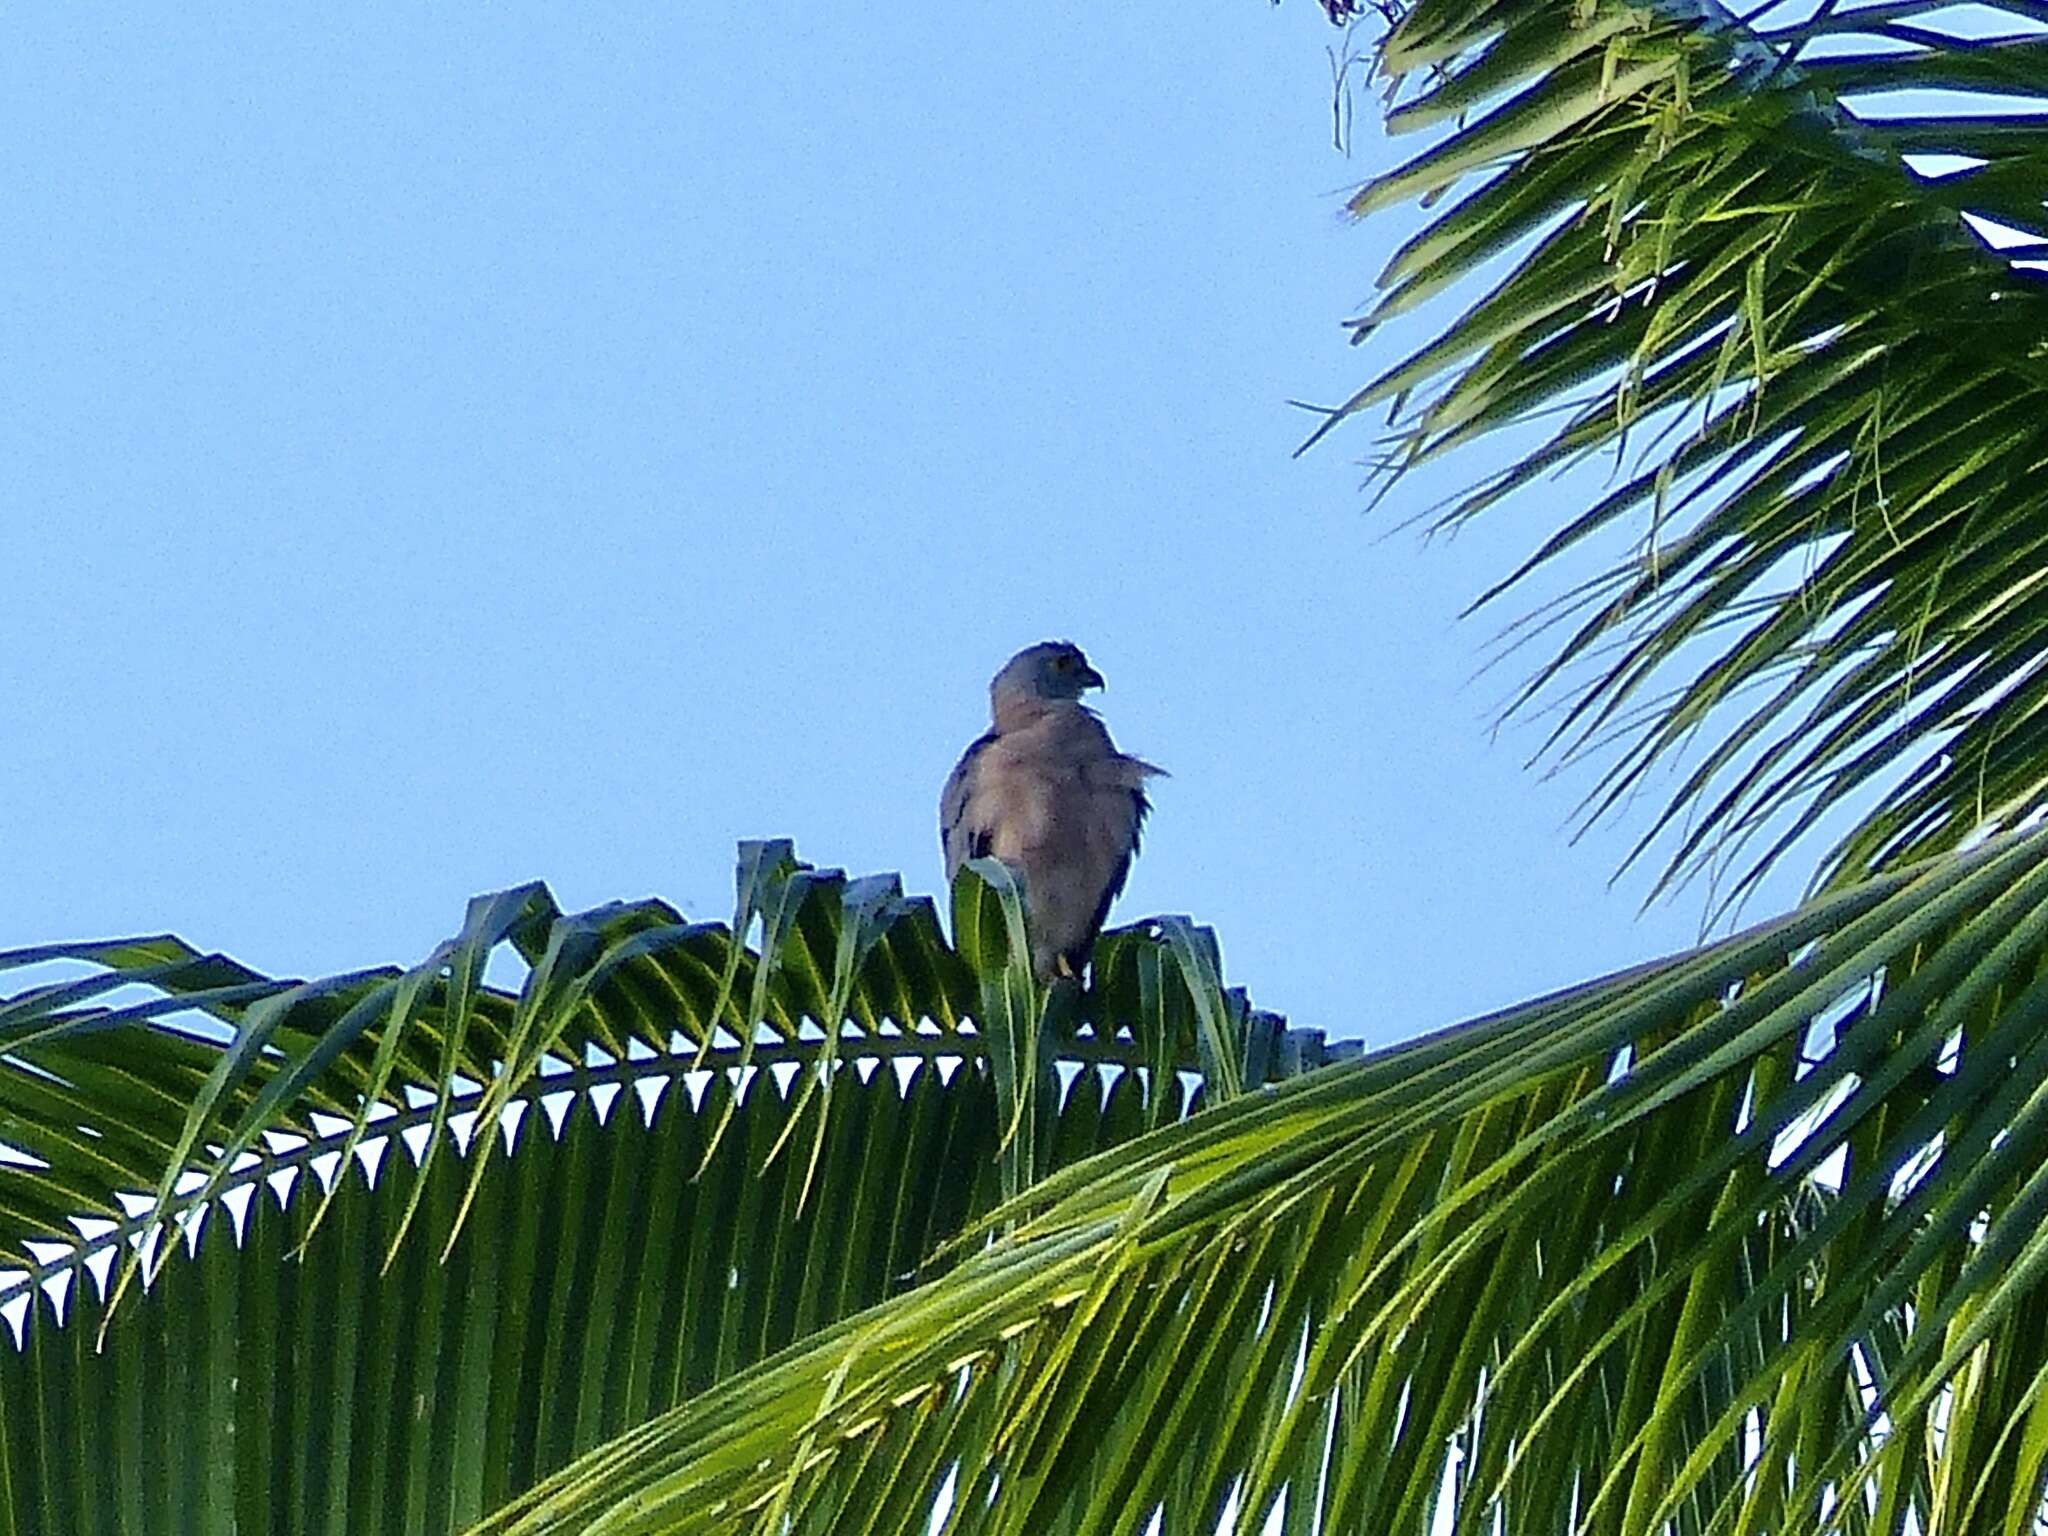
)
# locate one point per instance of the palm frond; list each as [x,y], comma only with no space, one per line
[281,1379]
[1824,389]
[1750,1239]
[700,1171]
[100,1098]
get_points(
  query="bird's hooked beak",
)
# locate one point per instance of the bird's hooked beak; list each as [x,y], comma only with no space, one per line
[1090,678]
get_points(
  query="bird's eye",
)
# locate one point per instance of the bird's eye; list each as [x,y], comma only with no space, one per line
[1063,663]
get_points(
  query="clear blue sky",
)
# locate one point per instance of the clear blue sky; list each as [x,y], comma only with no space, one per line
[445,448]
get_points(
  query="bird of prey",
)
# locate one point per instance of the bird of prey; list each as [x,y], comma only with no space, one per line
[1047,792]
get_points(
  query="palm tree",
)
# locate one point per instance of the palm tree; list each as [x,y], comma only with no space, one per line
[1748,1239]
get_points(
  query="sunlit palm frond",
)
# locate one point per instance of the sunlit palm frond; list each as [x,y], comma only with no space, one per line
[1748,1240]
[1820,363]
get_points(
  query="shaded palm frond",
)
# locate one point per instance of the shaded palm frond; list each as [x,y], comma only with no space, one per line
[619,1262]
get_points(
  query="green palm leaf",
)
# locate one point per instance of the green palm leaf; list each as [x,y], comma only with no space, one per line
[248,1389]
[408,1353]
[1826,396]
[1723,1241]
[103,1099]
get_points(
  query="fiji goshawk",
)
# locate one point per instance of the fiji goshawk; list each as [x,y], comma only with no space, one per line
[1047,792]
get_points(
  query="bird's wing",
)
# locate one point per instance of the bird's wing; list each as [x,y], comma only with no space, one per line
[1114,823]
[963,833]
[1085,856]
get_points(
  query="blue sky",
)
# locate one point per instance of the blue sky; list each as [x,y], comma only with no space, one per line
[445,452]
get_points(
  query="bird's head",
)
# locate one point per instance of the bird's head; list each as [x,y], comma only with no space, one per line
[1054,669]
